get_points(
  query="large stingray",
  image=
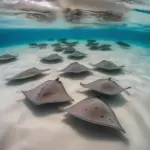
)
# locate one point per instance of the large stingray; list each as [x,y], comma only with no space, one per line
[51,91]
[29,73]
[69,49]
[7,58]
[123,44]
[105,86]
[108,66]
[94,110]
[77,55]
[52,58]
[75,68]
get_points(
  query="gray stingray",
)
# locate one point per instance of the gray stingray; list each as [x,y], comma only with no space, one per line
[42,45]
[51,91]
[94,46]
[123,44]
[64,41]
[91,41]
[95,111]
[108,66]
[69,49]
[29,73]
[33,45]
[105,47]
[105,86]
[75,68]
[52,58]
[7,57]
[77,55]
[56,45]
[58,48]
[72,43]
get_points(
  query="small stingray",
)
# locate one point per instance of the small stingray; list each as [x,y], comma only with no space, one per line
[56,45]
[123,44]
[52,58]
[94,110]
[94,46]
[7,58]
[42,45]
[105,86]
[51,91]
[75,68]
[77,55]
[68,50]
[33,45]
[108,66]
[29,73]
[91,41]
[64,41]
[72,44]
[58,49]
[105,47]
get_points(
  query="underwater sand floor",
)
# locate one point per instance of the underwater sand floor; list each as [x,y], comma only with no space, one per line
[25,127]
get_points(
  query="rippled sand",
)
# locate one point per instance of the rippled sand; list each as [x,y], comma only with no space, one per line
[27,128]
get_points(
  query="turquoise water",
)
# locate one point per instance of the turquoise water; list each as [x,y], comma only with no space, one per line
[22,124]
[137,36]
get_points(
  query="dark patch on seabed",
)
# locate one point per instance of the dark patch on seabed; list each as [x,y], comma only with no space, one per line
[25,36]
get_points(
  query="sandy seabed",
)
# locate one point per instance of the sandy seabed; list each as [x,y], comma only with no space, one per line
[27,128]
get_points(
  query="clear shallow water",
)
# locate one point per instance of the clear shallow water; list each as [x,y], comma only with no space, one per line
[22,125]
[132,109]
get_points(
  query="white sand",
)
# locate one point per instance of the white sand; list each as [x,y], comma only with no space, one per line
[23,128]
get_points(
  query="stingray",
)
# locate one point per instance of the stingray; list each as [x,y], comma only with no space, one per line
[72,43]
[33,45]
[69,49]
[105,47]
[123,44]
[64,41]
[91,41]
[58,49]
[51,91]
[52,58]
[75,68]
[29,73]
[105,86]
[94,46]
[95,111]
[42,45]
[56,44]
[77,55]
[7,58]
[108,66]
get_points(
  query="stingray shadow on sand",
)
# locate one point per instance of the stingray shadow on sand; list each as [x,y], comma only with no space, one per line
[76,76]
[94,132]
[113,101]
[45,109]
[112,73]
[23,81]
